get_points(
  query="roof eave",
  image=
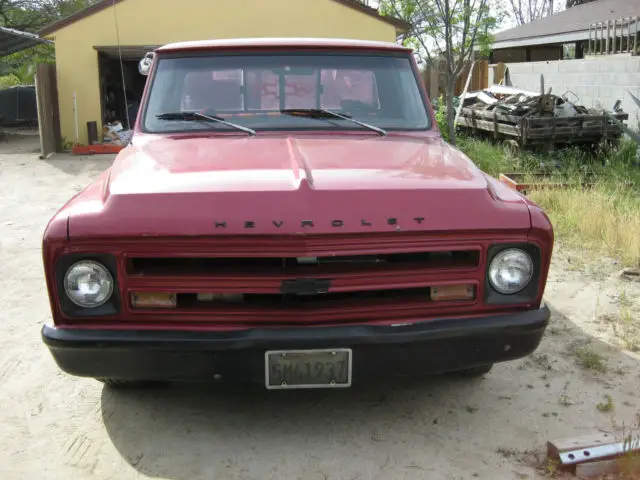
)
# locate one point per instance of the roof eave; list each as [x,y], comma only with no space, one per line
[18,41]
[567,37]
[400,25]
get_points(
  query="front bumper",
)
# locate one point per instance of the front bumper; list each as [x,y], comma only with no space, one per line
[433,346]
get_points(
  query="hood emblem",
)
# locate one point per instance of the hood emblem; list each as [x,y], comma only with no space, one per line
[249,224]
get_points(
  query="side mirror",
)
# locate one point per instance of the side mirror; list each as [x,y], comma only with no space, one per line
[145,64]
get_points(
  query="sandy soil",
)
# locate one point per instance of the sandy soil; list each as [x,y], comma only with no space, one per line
[55,426]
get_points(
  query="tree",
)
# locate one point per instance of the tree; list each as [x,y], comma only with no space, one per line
[525,11]
[575,3]
[448,30]
[30,15]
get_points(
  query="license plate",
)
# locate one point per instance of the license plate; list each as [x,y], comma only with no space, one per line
[330,368]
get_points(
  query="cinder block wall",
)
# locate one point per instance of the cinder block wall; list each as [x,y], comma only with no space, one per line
[598,81]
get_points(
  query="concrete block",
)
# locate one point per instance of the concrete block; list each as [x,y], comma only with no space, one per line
[617,93]
[605,92]
[634,80]
[586,94]
[520,68]
[586,101]
[630,107]
[582,90]
[526,82]
[615,66]
[552,81]
[557,87]
[633,65]
[569,78]
[571,66]
[635,91]
[634,113]
[622,79]
[592,66]
[588,79]
[545,67]
[606,78]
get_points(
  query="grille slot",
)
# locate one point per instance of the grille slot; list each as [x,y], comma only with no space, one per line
[190,301]
[169,266]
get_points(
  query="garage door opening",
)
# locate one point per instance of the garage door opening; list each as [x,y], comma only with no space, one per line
[115,106]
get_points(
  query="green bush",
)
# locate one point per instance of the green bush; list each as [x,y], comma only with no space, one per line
[9,81]
[441,118]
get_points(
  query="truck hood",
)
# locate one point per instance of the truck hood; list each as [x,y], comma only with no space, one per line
[270,184]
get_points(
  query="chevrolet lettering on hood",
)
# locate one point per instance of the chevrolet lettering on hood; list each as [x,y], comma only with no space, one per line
[310,223]
[287,213]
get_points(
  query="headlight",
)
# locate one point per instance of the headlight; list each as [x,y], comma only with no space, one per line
[510,271]
[88,284]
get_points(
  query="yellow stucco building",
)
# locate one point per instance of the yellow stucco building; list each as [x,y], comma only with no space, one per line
[86,43]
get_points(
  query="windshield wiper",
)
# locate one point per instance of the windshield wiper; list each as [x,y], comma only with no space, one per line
[324,113]
[195,116]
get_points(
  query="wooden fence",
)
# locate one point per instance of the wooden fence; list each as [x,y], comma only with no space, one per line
[614,36]
[434,78]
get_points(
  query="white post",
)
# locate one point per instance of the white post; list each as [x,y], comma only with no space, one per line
[40,117]
[615,37]
[601,41]
[466,86]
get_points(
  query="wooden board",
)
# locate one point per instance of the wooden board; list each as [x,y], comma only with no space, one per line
[597,121]
[569,132]
[502,117]
[558,134]
[48,113]
[577,119]
[97,149]
[585,469]
[556,447]
[489,126]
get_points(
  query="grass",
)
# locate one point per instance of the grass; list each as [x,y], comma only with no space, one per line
[628,330]
[507,452]
[603,217]
[564,400]
[625,323]
[607,405]
[590,360]
[630,461]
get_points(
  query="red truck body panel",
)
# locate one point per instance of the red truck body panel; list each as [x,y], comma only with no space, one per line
[283,184]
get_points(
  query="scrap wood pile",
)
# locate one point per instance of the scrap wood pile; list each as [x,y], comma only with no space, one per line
[530,118]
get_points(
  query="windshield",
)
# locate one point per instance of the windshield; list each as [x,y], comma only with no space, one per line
[252,90]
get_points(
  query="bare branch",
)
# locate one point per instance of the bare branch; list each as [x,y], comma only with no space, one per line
[525,11]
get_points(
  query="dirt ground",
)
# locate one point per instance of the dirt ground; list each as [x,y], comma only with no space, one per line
[55,426]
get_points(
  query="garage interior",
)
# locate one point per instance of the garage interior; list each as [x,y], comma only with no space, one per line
[114,107]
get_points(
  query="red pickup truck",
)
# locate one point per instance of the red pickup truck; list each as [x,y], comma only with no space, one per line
[287,213]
